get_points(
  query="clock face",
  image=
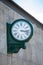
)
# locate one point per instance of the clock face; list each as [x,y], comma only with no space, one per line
[21,30]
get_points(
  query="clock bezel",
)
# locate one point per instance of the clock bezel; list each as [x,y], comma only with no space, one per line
[29,35]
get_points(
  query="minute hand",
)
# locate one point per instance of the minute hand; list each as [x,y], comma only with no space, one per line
[24,30]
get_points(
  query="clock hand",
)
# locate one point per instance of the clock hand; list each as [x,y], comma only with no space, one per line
[24,30]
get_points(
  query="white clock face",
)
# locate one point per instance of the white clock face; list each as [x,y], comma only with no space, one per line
[21,30]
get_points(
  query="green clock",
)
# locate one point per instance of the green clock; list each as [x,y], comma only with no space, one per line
[18,33]
[21,30]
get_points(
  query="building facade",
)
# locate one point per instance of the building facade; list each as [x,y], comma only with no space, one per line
[33,54]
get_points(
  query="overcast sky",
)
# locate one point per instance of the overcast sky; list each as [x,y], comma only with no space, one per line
[34,7]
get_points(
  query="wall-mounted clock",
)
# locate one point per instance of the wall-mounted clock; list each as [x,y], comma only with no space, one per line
[21,30]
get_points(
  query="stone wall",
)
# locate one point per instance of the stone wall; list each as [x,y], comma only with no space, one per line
[33,54]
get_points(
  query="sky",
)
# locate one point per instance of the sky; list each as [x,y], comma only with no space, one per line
[33,7]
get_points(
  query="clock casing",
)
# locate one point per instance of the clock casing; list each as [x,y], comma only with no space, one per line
[21,31]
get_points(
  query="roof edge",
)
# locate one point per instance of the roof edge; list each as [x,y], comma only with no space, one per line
[21,11]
